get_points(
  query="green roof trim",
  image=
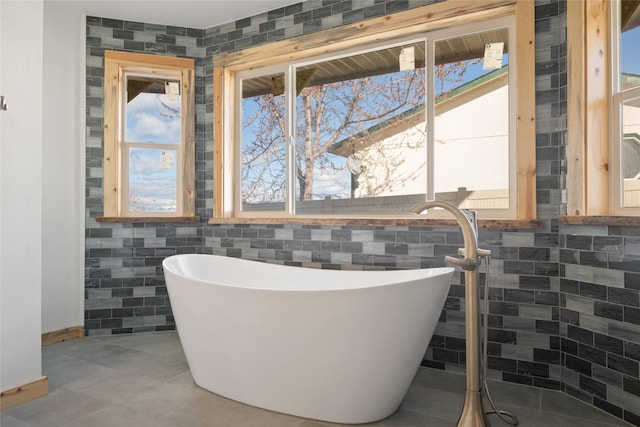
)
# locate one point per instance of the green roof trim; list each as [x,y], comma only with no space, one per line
[631,78]
[410,112]
[473,83]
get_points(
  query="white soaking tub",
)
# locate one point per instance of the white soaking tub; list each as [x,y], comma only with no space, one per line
[338,346]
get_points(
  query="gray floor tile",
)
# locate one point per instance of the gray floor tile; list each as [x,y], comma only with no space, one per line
[557,402]
[515,394]
[433,402]
[58,407]
[114,415]
[403,418]
[62,369]
[440,380]
[9,421]
[143,380]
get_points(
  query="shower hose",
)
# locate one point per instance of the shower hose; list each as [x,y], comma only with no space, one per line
[505,416]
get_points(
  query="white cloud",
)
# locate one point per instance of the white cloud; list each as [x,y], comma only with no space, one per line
[335,183]
[153,118]
[153,195]
[147,162]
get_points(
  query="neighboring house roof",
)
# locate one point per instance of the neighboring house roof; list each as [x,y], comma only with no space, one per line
[414,116]
[630,80]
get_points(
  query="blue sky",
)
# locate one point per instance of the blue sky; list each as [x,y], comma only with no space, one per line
[155,119]
[630,58]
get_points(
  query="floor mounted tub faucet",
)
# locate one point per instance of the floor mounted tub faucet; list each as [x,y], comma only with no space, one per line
[473,414]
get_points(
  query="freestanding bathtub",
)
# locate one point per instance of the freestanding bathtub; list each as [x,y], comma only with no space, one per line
[338,346]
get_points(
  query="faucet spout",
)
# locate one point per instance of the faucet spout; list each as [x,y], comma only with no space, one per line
[467,221]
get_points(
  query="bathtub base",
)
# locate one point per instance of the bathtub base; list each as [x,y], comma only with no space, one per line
[321,414]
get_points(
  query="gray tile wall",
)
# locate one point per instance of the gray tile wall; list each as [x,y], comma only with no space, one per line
[563,300]
[124,283]
[600,317]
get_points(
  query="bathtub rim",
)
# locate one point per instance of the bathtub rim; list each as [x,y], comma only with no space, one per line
[389,277]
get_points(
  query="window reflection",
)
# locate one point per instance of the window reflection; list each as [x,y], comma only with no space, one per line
[629,82]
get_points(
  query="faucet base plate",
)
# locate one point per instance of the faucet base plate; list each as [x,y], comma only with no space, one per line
[473,414]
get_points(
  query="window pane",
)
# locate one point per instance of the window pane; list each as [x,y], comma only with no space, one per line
[153,110]
[630,153]
[263,160]
[152,180]
[471,124]
[359,134]
[629,41]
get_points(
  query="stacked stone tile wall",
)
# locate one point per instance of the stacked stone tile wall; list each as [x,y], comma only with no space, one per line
[563,300]
[600,317]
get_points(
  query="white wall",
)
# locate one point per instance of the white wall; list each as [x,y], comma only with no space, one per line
[41,181]
[21,176]
[63,168]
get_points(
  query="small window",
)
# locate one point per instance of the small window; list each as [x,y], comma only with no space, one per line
[149,136]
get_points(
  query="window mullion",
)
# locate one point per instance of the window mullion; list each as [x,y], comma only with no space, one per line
[290,154]
[430,117]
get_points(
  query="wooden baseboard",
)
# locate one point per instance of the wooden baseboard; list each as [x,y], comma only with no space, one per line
[24,393]
[60,335]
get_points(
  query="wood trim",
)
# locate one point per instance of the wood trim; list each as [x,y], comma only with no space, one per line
[526,117]
[115,219]
[597,71]
[378,222]
[146,59]
[218,141]
[576,109]
[110,165]
[61,335]
[615,221]
[188,143]
[426,18]
[24,393]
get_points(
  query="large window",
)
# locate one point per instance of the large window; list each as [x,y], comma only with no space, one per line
[149,130]
[375,127]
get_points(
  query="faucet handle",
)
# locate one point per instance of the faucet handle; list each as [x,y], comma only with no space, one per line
[481,252]
[466,263]
[484,252]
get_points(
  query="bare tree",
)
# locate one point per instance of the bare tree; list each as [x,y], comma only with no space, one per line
[451,73]
[330,113]
[263,160]
[325,115]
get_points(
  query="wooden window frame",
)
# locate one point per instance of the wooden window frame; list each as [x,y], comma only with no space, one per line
[404,24]
[116,64]
[593,187]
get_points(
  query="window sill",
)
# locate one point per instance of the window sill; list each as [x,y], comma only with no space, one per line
[620,221]
[378,222]
[163,219]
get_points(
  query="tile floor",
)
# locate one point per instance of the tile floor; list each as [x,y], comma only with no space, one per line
[143,380]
